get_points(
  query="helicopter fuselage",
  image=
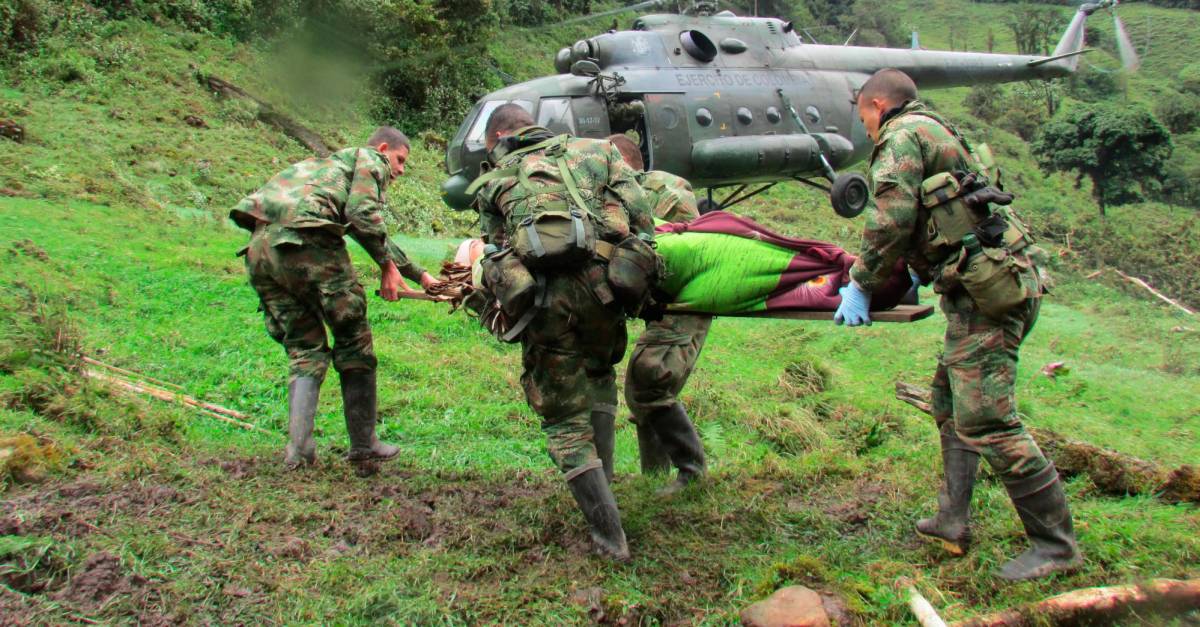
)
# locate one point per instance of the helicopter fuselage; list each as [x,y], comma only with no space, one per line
[724,100]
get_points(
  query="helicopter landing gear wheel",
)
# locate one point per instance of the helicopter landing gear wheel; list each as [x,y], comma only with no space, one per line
[849,195]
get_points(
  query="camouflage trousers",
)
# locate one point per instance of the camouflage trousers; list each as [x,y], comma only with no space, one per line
[974,400]
[303,289]
[568,354]
[663,359]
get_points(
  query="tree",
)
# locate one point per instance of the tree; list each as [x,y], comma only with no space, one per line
[1124,150]
[1034,27]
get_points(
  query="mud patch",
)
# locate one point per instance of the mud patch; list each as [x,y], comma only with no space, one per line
[239,468]
[97,581]
[856,511]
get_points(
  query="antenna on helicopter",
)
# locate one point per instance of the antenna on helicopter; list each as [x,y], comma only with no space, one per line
[850,39]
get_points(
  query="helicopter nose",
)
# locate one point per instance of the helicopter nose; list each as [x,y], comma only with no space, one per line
[454,192]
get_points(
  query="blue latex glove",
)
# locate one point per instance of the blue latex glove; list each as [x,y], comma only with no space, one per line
[916,280]
[855,307]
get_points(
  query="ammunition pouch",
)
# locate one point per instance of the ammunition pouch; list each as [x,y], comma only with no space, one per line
[986,240]
[519,293]
[993,278]
[634,270]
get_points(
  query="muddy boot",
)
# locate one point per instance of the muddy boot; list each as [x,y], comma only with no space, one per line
[596,501]
[653,456]
[358,397]
[1047,521]
[959,467]
[682,444]
[604,436]
[302,408]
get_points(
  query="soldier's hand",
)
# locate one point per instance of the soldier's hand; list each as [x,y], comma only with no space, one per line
[390,283]
[855,307]
[427,281]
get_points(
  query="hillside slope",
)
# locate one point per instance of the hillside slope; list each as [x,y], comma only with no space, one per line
[119,509]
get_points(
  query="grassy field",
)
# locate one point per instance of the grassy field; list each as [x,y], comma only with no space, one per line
[817,472]
[122,510]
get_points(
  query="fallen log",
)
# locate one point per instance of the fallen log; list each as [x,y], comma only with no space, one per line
[224,414]
[1112,472]
[268,114]
[1101,606]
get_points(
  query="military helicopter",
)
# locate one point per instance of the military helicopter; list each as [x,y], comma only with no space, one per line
[736,102]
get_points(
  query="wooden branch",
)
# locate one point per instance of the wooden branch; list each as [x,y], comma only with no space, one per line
[1101,606]
[899,313]
[1160,295]
[268,114]
[223,414]
[128,373]
[921,608]
[1112,472]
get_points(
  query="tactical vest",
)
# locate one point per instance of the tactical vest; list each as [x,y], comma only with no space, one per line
[969,214]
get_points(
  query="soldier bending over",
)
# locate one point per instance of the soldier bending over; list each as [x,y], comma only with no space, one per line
[298,264]
[557,212]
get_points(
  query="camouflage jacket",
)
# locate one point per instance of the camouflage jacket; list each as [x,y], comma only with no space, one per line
[605,182]
[912,146]
[671,198]
[339,194]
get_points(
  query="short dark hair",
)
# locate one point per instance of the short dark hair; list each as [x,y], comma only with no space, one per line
[390,136]
[890,85]
[506,118]
[629,150]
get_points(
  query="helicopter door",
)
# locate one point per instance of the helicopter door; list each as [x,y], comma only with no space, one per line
[591,117]
[667,138]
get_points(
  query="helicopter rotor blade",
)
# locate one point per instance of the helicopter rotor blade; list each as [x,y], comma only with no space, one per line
[1129,56]
[583,18]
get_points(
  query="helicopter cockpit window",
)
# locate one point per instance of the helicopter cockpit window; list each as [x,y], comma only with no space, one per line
[555,114]
[475,137]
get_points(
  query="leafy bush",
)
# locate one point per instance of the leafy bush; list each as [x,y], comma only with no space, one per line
[1122,149]
[1090,84]
[1180,112]
[985,102]
[22,23]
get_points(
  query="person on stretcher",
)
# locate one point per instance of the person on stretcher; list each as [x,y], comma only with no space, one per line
[726,264]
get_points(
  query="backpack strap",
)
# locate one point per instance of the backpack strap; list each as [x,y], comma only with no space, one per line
[573,190]
[489,176]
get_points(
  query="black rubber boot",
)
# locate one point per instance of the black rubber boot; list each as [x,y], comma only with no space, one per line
[653,456]
[604,436]
[950,525]
[358,398]
[303,394]
[682,444]
[599,507]
[1047,520]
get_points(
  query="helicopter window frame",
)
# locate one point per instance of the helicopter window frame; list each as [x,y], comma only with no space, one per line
[556,110]
[475,138]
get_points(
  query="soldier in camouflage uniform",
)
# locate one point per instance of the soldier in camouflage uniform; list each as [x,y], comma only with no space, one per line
[973,388]
[298,263]
[666,352]
[571,345]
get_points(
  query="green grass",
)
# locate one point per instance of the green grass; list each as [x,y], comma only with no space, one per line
[117,238]
[473,525]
